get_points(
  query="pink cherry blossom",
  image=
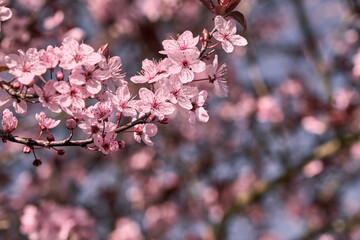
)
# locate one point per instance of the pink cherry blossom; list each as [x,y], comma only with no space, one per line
[126,229]
[185,42]
[52,221]
[198,111]
[185,64]
[218,76]
[47,96]
[123,103]
[9,122]
[74,54]
[100,110]
[150,73]
[19,105]
[180,93]
[46,123]
[113,67]
[106,144]
[155,103]
[70,95]
[89,76]
[5,13]
[144,132]
[49,57]
[92,126]
[226,34]
[25,66]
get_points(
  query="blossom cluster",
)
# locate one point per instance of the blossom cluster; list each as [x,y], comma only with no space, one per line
[91,89]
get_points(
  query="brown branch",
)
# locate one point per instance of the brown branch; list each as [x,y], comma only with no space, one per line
[261,188]
[13,92]
[205,46]
[66,142]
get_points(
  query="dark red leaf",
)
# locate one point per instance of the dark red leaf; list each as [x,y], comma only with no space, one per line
[232,5]
[220,10]
[238,16]
[208,4]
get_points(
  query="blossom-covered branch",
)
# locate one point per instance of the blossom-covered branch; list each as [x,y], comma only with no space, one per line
[90,88]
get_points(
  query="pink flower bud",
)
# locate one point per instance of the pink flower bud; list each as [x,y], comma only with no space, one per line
[50,138]
[61,152]
[71,124]
[59,75]
[121,144]
[27,150]
[118,116]
[15,85]
[104,50]
[37,162]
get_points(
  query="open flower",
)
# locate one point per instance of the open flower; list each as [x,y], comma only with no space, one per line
[150,73]
[48,96]
[25,66]
[144,132]
[155,103]
[218,76]
[9,122]
[107,143]
[185,42]
[198,111]
[180,93]
[226,34]
[74,54]
[46,123]
[123,103]
[185,64]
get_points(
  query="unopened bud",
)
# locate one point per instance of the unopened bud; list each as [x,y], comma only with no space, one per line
[27,150]
[37,162]
[50,138]
[61,152]
[121,144]
[59,75]
[104,50]
[15,85]
[71,124]
[118,116]
[224,2]
[208,57]
[205,35]
[151,118]
[165,120]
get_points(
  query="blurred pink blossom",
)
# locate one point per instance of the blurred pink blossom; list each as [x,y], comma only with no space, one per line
[269,110]
[126,229]
[314,125]
[51,221]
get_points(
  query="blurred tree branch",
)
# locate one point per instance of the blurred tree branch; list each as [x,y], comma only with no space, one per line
[260,188]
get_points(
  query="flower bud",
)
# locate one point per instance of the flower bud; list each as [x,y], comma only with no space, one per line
[15,85]
[104,50]
[61,152]
[121,144]
[26,150]
[59,75]
[118,116]
[50,138]
[37,162]
[151,118]
[205,35]
[71,124]
[165,120]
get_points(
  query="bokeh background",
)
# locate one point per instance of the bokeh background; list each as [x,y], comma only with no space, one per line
[279,158]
